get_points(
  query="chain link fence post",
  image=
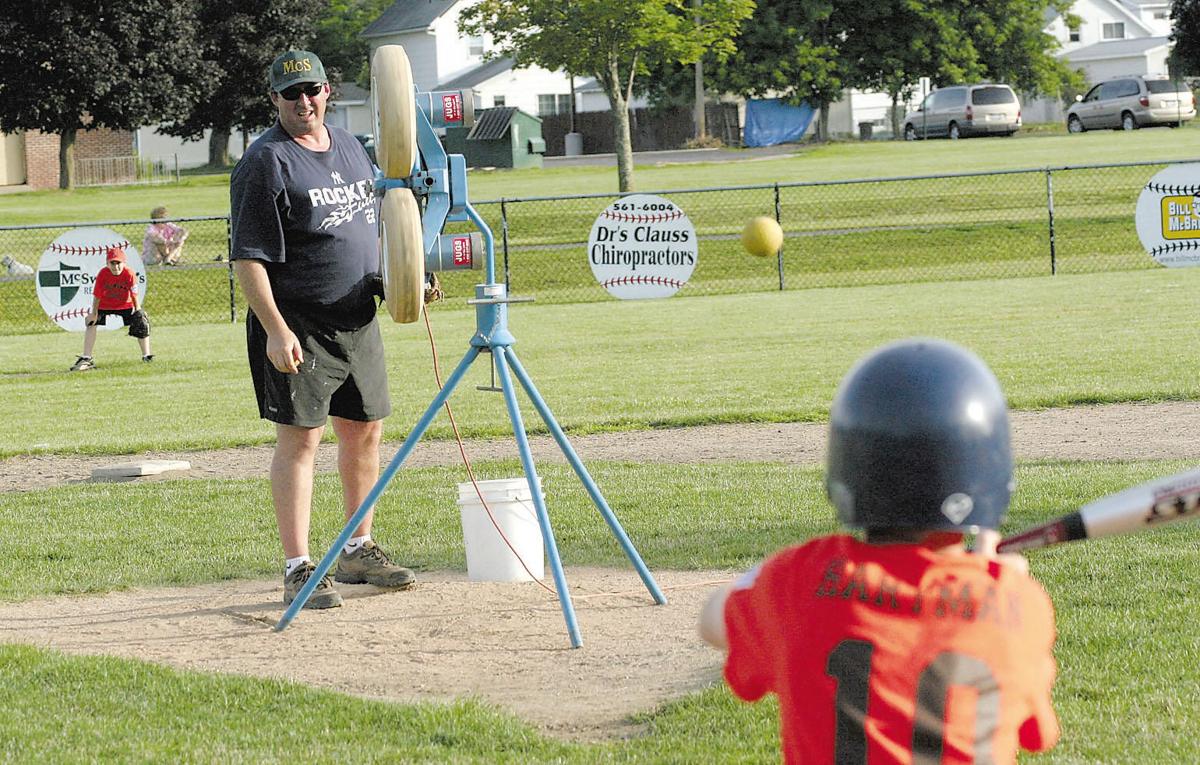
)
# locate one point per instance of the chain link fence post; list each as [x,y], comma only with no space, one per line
[1050,214]
[779,220]
[504,242]
[229,260]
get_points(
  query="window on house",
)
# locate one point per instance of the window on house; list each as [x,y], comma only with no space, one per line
[553,103]
[497,100]
[475,45]
[1159,15]
[1114,31]
[1073,34]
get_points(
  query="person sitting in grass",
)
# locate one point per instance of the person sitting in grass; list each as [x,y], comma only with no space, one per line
[902,646]
[164,240]
[114,294]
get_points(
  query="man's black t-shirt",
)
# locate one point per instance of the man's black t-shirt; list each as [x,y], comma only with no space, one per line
[312,219]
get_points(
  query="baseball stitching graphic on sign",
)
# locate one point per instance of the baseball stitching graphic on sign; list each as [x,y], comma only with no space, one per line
[660,280]
[642,246]
[67,270]
[95,249]
[1168,216]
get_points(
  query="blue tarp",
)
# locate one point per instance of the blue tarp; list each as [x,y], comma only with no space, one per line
[770,121]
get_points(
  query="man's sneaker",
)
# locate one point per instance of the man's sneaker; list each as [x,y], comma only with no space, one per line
[148,358]
[370,565]
[82,364]
[324,596]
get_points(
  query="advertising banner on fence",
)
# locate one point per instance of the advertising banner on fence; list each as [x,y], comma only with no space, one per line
[67,271]
[1168,216]
[642,246]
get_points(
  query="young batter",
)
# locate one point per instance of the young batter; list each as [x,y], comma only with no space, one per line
[902,647]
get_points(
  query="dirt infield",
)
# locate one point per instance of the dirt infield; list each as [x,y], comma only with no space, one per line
[1120,431]
[505,643]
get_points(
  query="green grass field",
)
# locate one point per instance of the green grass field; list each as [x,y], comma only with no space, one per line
[771,357]
[1126,647]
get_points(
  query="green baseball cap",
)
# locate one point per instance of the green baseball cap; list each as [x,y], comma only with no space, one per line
[296,66]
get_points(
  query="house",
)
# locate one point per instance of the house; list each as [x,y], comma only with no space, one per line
[1112,38]
[443,59]
[350,108]
[1115,37]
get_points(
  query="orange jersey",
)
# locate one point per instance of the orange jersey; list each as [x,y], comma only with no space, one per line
[115,290]
[895,654]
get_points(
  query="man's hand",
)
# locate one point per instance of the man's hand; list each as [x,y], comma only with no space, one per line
[285,352]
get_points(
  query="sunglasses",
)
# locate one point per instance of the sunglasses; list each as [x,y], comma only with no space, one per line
[310,89]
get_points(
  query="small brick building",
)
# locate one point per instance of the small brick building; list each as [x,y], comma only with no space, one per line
[39,152]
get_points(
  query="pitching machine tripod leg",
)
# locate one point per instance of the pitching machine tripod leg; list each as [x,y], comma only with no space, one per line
[597,498]
[373,497]
[539,504]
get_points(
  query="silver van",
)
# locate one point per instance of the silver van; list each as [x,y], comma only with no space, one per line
[959,111]
[1128,103]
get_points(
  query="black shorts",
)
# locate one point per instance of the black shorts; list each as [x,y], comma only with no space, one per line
[102,315]
[126,315]
[343,374]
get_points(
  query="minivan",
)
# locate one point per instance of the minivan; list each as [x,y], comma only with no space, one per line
[1128,103]
[959,111]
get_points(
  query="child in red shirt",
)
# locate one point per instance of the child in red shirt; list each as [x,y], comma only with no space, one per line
[903,647]
[113,294]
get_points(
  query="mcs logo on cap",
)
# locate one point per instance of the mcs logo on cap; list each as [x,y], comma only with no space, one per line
[296,66]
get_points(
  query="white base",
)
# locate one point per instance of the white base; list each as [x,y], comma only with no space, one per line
[140,468]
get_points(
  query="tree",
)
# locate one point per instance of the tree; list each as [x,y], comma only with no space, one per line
[888,45]
[337,39]
[74,65]
[238,40]
[613,42]
[1009,41]
[810,50]
[1185,20]
[789,50]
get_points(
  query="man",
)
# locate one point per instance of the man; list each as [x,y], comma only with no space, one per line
[306,254]
[904,646]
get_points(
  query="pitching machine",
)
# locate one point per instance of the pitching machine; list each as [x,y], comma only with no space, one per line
[424,188]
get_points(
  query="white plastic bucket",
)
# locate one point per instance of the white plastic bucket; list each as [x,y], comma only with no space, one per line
[489,559]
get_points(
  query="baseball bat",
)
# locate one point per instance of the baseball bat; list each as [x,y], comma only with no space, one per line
[1149,504]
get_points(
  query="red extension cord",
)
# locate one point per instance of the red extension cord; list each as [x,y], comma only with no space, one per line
[437,375]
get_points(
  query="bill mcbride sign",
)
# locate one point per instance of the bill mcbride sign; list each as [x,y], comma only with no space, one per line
[1168,216]
[642,246]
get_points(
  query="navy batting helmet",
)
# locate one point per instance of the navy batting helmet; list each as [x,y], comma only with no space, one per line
[918,439]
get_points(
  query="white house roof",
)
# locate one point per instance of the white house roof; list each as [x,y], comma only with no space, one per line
[1110,49]
[1121,7]
[407,16]
[472,77]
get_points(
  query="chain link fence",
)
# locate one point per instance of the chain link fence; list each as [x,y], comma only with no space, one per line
[199,289]
[838,233]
